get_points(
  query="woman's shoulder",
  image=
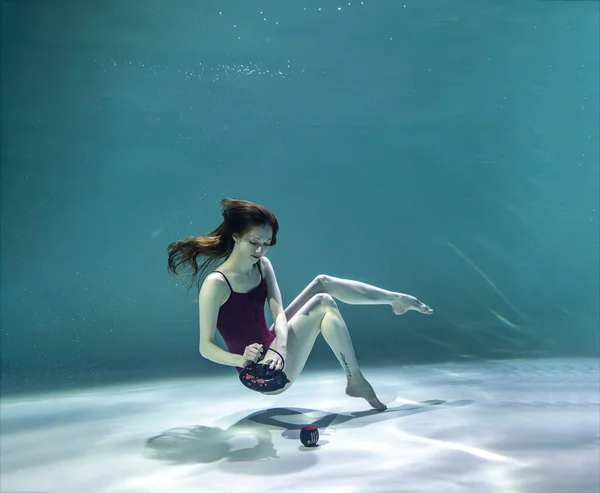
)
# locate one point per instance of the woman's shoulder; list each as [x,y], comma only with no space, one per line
[214,279]
[214,289]
[265,262]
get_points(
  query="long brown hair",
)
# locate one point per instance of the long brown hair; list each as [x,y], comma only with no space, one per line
[197,254]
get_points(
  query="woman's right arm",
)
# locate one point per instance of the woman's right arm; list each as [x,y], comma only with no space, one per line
[213,290]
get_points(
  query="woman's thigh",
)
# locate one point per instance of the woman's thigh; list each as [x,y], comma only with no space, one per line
[304,327]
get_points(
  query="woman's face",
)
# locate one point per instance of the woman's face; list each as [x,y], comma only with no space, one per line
[255,243]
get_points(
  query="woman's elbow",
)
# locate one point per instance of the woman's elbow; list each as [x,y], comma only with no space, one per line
[203,350]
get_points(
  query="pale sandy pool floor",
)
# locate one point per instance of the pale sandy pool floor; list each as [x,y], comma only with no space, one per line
[503,427]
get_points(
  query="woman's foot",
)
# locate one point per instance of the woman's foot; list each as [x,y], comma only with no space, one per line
[359,387]
[404,302]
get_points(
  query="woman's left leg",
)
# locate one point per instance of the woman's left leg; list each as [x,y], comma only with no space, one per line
[355,293]
[313,302]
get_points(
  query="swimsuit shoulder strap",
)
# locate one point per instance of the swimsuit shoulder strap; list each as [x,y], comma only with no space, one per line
[226,280]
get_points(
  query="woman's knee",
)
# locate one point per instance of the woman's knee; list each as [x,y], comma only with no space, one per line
[322,282]
[320,305]
[323,301]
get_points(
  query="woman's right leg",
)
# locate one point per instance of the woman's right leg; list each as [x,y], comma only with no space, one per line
[320,315]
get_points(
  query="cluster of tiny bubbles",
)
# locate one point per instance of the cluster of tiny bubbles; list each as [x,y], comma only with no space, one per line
[265,17]
[202,71]
[233,70]
[219,72]
[340,8]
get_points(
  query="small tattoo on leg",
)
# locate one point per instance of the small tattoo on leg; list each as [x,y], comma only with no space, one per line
[343,356]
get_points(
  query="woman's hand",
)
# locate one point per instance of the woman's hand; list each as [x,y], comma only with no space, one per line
[273,359]
[251,354]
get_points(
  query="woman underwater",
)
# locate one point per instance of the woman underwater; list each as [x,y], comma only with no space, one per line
[232,300]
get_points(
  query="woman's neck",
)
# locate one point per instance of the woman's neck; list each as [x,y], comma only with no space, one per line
[238,266]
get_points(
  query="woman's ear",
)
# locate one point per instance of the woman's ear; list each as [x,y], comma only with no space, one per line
[236,237]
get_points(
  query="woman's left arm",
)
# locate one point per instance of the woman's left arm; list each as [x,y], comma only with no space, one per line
[280,323]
